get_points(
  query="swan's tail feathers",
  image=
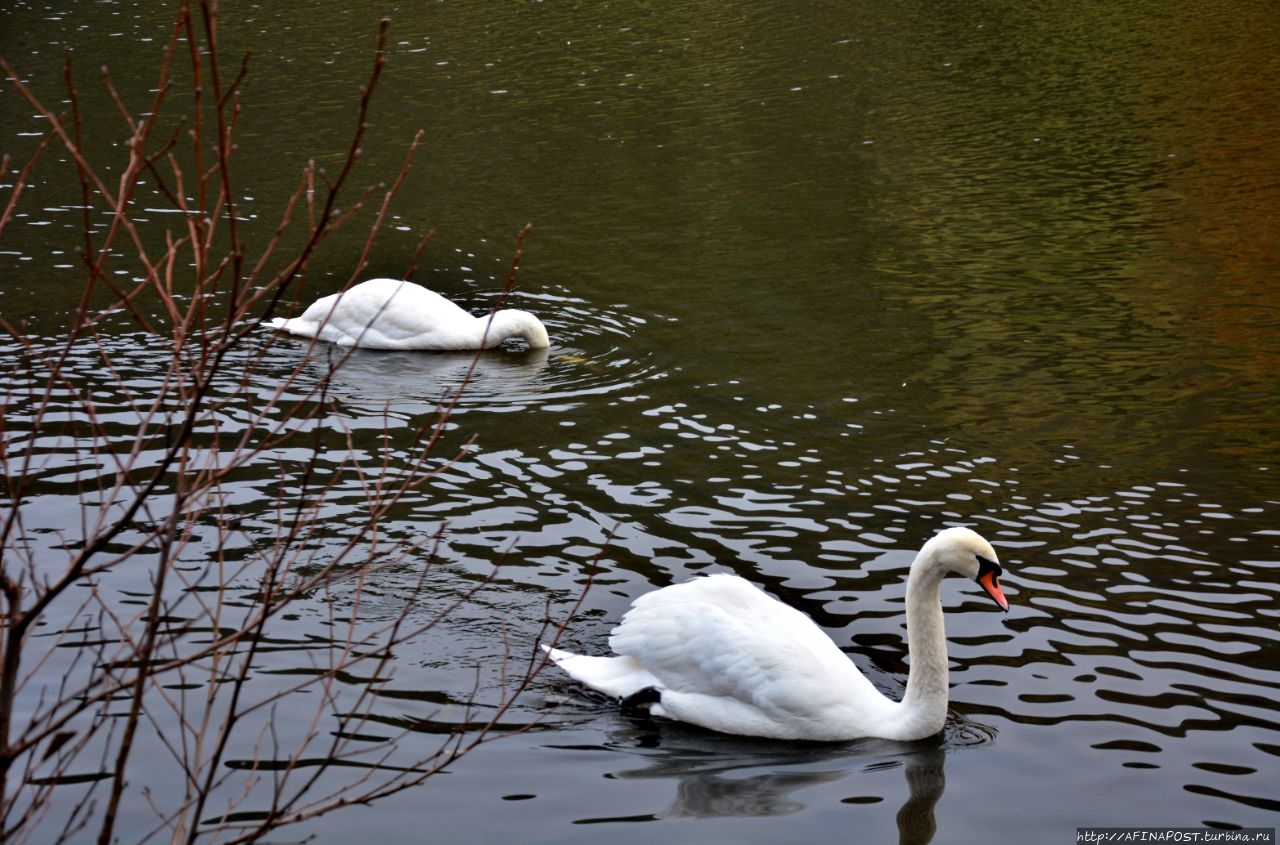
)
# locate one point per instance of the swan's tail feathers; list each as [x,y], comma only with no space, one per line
[299,326]
[618,677]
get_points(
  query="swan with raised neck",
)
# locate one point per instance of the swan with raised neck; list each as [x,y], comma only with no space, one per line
[720,653]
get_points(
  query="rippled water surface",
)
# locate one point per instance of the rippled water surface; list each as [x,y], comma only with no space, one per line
[820,280]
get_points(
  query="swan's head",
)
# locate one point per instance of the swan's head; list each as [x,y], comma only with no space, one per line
[510,322]
[963,551]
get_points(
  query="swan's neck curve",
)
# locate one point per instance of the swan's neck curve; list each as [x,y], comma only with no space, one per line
[508,323]
[924,706]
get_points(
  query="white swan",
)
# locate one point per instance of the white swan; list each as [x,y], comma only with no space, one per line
[719,653]
[391,314]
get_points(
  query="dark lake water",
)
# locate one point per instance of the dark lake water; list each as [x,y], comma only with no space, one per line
[820,279]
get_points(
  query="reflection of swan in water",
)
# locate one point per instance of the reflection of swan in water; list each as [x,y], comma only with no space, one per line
[730,777]
[720,777]
[364,377]
[926,778]
[392,314]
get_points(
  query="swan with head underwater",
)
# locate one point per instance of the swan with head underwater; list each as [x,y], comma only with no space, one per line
[393,314]
[719,653]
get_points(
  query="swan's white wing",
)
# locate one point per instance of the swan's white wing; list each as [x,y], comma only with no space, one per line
[386,314]
[729,657]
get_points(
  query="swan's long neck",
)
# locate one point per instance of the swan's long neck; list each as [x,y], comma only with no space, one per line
[510,323]
[925,701]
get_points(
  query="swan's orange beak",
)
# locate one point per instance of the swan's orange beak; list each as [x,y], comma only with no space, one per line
[988,581]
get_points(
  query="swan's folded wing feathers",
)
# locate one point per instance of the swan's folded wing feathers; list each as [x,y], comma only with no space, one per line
[411,311]
[688,648]
[720,637]
[384,313]
[379,317]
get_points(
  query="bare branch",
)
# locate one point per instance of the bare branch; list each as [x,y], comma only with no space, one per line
[87,679]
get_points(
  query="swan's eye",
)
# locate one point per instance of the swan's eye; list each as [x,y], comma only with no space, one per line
[985,565]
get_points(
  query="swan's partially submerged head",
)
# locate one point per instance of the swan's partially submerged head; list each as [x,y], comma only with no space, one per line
[964,551]
[512,323]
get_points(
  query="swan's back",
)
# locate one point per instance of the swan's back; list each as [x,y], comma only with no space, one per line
[726,656]
[721,631]
[394,314]
[385,314]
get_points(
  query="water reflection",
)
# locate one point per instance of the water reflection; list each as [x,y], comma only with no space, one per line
[716,776]
[424,382]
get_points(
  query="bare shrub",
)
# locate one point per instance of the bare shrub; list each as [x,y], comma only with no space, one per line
[136,637]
